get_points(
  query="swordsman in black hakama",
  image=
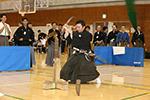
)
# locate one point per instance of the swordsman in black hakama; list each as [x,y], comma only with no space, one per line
[77,66]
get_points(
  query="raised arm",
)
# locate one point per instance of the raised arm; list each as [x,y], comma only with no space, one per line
[67,29]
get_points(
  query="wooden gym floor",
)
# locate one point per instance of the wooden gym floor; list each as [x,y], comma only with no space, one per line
[118,83]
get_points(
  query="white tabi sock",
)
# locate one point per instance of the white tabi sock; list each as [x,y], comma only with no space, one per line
[1,94]
[64,81]
[98,81]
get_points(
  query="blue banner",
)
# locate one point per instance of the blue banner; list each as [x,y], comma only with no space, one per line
[132,57]
[14,58]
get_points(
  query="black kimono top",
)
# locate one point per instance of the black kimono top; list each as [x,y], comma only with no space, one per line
[40,36]
[69,40]
[112,35]
[98,37]
[81,40]
[52,38]
[25,33]
[137,36]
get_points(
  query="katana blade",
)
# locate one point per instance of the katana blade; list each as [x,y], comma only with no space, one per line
[101,59]
[70,19]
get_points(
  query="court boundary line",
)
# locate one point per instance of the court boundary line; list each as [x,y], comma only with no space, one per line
[135,96]
[13,97]
[144,92]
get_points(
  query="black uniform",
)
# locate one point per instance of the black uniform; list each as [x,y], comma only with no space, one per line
[40,36]
[137,37]
[63,43]
[112,35]
[69,45]
[98,37]
[52,38]
[51,48]
[25,33]
[77,66]
[69,40]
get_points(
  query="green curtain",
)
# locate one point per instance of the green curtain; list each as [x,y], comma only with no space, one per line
[131,12]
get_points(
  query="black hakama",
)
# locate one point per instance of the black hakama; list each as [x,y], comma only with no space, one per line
[77,67]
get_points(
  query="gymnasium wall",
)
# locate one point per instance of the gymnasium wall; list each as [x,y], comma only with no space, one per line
[115,14]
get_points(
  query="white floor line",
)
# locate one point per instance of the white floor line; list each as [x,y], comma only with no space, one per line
[21,83]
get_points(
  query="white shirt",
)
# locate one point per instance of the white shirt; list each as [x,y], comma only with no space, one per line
[3,32]
[43,41]
[139,32]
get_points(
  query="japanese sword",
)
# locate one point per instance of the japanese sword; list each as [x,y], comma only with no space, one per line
[69,19]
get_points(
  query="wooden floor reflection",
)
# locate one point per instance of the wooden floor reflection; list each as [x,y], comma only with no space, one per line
[118,83]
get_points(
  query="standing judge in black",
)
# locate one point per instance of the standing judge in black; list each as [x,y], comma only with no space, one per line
[99,37]
[77,66]
[111,40]
[105,31]
[24,34]
[138,38]
[50,53]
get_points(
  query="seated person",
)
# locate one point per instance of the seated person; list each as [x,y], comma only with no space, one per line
[43,41]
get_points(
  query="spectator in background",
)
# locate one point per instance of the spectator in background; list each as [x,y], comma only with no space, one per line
[60,26]
[117,29]
[4,30]
[43,41]
[41,34]
[123,38]
[99,37]
[51,42]
[20,23]
[30,25]
[138,38]
[105,31]
[88,29]
[39,44]
[63,43]
[111,41]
